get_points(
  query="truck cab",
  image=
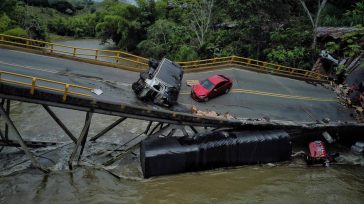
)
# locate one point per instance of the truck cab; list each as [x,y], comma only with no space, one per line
[160,83]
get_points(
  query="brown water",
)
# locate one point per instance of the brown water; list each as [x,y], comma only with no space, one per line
[251,184]
[289,182]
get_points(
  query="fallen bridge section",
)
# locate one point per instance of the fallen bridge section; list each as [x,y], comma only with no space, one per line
[89,103]
[59,94]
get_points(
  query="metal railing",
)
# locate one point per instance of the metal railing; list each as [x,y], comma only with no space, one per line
[111,56]
[252,64]
[34,84]
[130,60]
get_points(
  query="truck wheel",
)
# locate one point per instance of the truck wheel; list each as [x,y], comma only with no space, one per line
[137,87]
[144,75]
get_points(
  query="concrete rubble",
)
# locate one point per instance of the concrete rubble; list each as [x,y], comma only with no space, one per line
[348,99]
[214,114]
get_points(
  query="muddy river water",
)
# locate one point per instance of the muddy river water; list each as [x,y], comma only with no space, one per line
[287,182]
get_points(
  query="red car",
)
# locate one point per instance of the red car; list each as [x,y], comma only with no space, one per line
[211,87]
[317,153]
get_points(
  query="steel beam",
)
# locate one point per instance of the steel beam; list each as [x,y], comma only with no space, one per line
[107,129]
[59,122]
[171,133]
[20,140]
[133,142]
[113,113]
[81,140]
[5,136]
[148,127]
[88,118]
[155,128]
[184,131]
[126,147]
[8,113]
[33,144]
[193,129]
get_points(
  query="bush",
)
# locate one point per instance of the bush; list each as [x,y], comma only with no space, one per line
[19,32]
[4,23]
[186,53]
[59,26]
[289,57]
[82,25]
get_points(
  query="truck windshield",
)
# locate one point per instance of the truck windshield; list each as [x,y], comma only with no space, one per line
[207,84]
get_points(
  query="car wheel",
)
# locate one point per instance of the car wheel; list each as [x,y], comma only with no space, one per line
[206,99]
[227,91]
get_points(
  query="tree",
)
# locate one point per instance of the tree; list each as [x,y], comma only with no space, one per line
[199,13]
[119,22]
[29,20]
[6,6]
[159,41]
[315,20]
[201,18]
[4,23]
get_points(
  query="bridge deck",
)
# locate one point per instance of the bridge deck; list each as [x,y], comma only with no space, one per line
[254,95]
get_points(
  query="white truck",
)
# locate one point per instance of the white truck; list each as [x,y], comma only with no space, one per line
[160,83]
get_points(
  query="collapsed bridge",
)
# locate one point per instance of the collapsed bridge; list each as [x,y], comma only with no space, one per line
[269,102]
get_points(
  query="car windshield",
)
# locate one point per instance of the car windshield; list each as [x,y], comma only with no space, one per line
[207,84]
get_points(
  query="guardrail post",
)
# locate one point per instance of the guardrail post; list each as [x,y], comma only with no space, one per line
[117,57]
[32,90]
[96,55]
[74,51]
[137,65]
[51,48]
[66,88]
[1,38]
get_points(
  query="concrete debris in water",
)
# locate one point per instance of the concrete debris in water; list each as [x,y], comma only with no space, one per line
[358,147]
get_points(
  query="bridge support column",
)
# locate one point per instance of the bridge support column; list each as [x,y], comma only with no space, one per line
[59,122]
[148,127]
[155,128]
[7,111]
[81,140]
[137,140]
[107,129]
[20,140]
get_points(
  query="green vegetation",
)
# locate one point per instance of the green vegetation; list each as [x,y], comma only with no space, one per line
[347,45]
[19,32]
[281,31]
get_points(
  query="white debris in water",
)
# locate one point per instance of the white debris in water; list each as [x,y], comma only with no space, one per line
[271,165]
[133,130]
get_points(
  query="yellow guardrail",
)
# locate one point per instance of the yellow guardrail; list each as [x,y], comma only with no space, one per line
[66,90]
[112,56]
[253,64]
[130,60]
